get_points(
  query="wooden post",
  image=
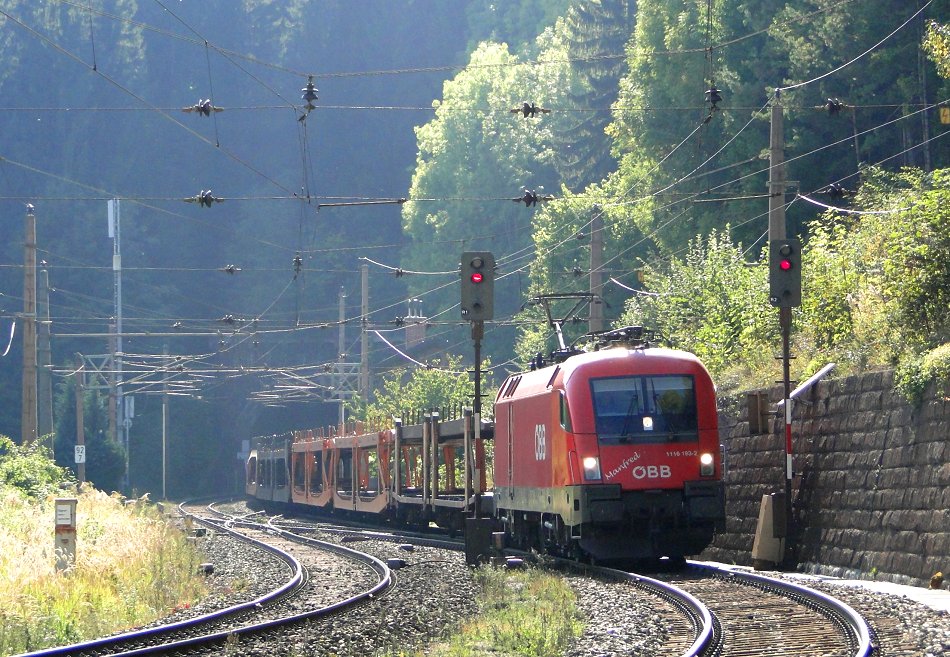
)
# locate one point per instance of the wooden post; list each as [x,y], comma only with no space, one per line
[28,419]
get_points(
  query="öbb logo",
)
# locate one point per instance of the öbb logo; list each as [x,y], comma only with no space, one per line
[652,472]
[540,442]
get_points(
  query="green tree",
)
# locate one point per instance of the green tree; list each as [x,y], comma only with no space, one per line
[473,158]
[476,153]
[711,303]
[29,469]
[516,23]
[105,457]
[937,46]
[597,32]
[407,390]
[876,280]
[905,237]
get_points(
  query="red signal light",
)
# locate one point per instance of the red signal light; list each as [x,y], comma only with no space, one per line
[784,264]
[477,277]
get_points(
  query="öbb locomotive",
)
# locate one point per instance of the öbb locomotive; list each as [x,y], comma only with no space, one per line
[611,453]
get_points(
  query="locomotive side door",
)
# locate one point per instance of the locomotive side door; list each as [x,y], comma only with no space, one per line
[510,446]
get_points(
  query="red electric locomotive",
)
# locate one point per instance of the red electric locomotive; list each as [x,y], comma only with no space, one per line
[610,454]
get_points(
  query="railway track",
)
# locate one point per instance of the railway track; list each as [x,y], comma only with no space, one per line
[726,612]
[764,617]
[716,611]
[710,611]
[689,627]
[300,596]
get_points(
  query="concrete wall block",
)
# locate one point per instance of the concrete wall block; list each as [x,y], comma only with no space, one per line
[827,426]
[931,521]
[942,474]
[894,478]
[931,409]
[870,381]
[897,498]
[874,438]
[902,415]
[823,390]
[837,405]
[938,449]
[846,441]
[878,492]
[873,420]
[894,457]
[903,542]
[936,549]
[931,500]
[872,400]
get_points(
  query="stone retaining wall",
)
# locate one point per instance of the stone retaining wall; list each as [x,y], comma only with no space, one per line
[872,483]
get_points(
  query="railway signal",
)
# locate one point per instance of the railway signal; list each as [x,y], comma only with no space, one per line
[478,285]
[785,273]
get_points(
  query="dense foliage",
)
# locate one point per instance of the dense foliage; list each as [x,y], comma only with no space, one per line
[658,128]
[409,392]
[875,291]
[709,301]
[29,470]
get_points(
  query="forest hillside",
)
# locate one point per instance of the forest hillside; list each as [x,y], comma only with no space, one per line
[295,183]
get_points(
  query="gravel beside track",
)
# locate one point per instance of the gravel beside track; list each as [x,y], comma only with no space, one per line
[241,574]
[621,620]
[903,627]
[436,592]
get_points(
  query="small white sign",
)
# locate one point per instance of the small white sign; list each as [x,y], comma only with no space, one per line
[80,453]
[64,514]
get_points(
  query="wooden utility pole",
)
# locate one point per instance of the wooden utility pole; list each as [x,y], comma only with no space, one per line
[28,420]
[596,321]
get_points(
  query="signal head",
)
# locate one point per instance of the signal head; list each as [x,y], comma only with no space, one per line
[478,274]
[785,273]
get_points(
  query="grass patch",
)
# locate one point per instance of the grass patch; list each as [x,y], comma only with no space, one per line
[131,567]
[523,612]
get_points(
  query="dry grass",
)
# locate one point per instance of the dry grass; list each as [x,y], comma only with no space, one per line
[131,567]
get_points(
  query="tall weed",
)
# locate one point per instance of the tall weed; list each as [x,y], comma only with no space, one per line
[131,567]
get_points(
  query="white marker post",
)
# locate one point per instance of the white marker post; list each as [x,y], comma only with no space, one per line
[65,532]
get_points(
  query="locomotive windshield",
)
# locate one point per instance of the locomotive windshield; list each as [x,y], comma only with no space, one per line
[645,409]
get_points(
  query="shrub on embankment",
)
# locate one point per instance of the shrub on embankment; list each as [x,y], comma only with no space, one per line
[875,292]
[131,566]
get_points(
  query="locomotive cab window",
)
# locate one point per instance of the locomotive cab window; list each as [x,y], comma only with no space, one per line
[565,414]
[645,409]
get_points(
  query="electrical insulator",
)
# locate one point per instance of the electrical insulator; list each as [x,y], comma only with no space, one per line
[309,94]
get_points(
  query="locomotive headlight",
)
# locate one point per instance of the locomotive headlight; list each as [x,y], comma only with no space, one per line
[707,465]
[591,468]
[647,423]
